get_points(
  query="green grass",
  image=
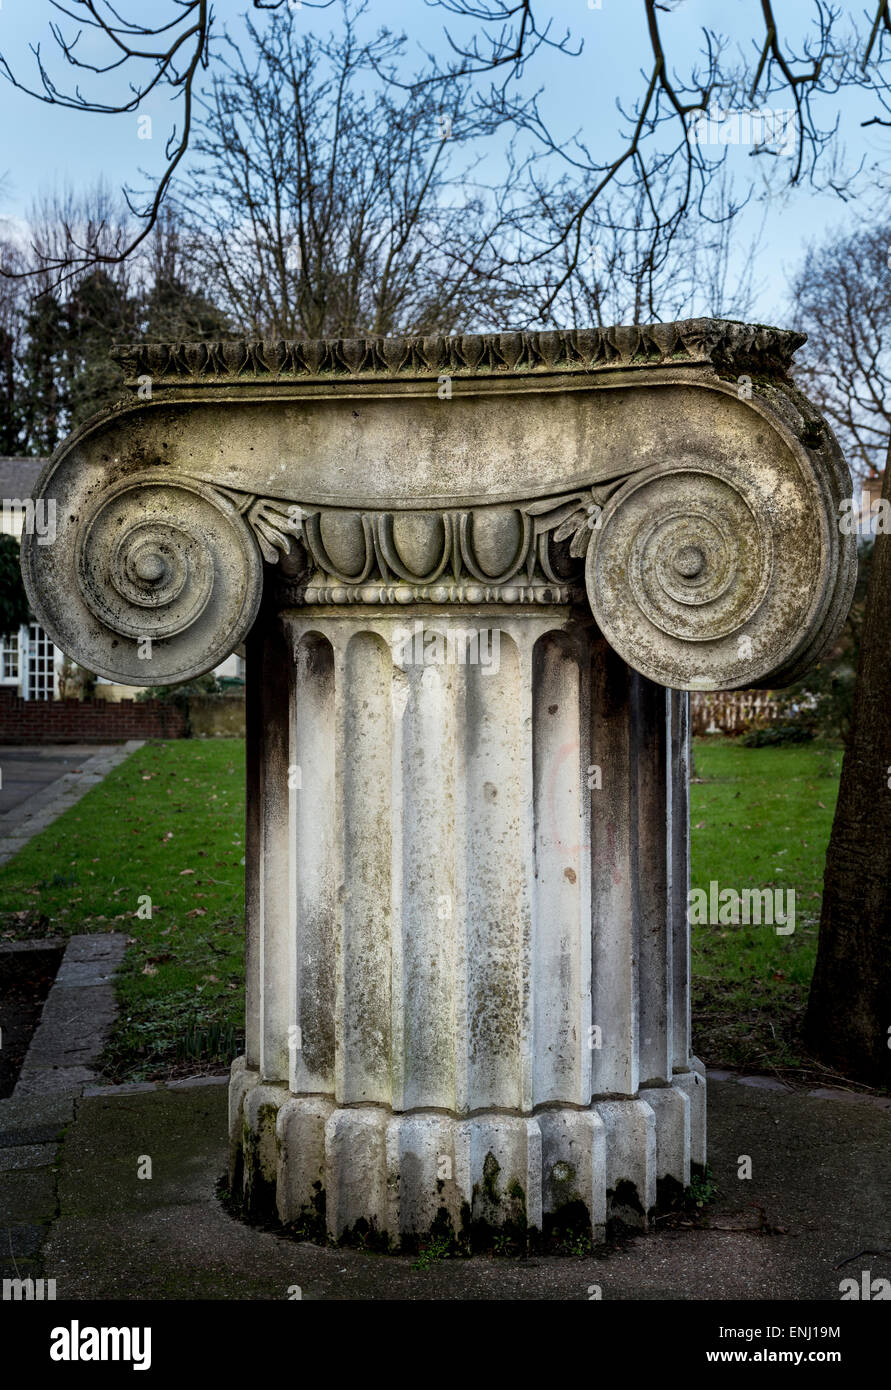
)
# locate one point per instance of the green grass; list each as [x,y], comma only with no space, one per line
[169,822]
[761,818]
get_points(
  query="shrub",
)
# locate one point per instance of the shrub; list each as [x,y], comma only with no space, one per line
[801,732]
[179,694]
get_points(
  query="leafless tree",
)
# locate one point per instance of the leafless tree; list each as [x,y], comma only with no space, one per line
[156,56]
[616,279]
[655,151]
[842,296]
[62,220]
[317,206]
[842,301]
[12,307]
[55,337]
[495,44]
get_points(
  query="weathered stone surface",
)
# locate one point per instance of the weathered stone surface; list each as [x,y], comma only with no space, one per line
[40,1118]
[27,1196]
[71,1026]
[26,1156]
[716,560]
[475,576]
[76,1018]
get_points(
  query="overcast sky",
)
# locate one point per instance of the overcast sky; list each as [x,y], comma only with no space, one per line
[45,145]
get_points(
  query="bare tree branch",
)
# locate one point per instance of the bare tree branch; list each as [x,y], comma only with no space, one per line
[493,46]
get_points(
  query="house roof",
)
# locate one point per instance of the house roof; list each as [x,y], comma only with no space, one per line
[18,477]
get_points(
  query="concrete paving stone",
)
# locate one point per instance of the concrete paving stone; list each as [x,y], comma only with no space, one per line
[27,1197]
[850,1097]
[185,1083]
[18,1267]
[765,1083]
[104,946]
[27,1156]
[45,943]
[22,1240]
[34,1134]
[79,974]
[116,1130]
[818,1193]
[130,1088]
[75,1020]
[26,1113]
[73,1026]
[43,1082]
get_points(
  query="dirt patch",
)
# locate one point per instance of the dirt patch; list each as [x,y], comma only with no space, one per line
[25,981]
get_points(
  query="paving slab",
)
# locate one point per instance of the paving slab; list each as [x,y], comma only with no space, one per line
[77,1016]
[24,1114]
[27,1206]
[102,949]
[64,1036]
[819,1194]
[27,1156]
[53,1080]
[26,1196]
[74,1022]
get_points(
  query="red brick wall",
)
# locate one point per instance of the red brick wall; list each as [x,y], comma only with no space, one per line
[86,721]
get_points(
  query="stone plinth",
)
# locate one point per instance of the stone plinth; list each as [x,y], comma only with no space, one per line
[476,578]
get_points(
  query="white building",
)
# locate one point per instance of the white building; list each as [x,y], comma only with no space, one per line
[28,659]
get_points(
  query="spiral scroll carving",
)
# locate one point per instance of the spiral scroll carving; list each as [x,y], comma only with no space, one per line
[166,573]
[700,581]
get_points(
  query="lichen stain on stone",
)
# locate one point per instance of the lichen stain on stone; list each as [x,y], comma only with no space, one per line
[624,1203]
[259,1175]
[365,1235]
[494,1022]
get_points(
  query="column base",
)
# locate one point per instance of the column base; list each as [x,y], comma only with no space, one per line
[364,1175]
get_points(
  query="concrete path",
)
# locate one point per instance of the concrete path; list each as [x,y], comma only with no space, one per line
[111,1192]
[67,1042]
[39,783]
[819,1195]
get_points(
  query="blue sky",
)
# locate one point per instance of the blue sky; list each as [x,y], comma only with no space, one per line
[45,145]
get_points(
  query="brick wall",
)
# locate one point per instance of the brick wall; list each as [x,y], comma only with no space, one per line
[86,721]
[216,716]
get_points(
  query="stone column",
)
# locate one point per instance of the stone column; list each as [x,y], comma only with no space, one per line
[464,983]
[472,617]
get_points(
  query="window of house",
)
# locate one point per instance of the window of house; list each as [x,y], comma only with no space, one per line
[41,664]
[9,657]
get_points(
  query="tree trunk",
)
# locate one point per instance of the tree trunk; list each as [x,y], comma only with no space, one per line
[848,1022]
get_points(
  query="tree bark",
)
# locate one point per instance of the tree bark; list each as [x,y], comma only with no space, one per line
[848,1021]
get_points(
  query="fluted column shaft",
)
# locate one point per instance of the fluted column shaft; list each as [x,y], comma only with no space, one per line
[463,946]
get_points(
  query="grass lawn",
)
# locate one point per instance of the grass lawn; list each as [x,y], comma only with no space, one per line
[760,818]
[169,823]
